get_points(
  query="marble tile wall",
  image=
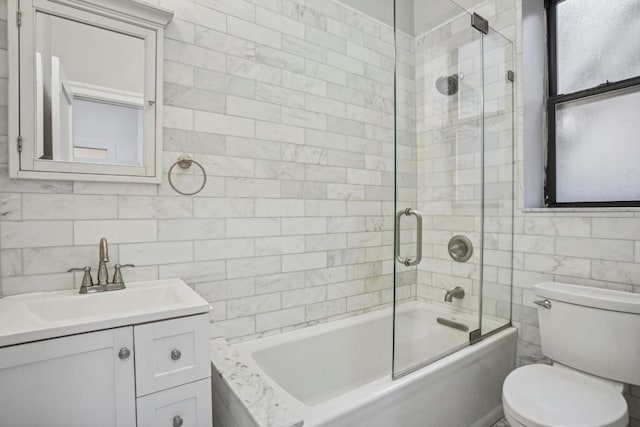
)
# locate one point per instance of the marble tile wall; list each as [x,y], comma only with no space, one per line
[289,106]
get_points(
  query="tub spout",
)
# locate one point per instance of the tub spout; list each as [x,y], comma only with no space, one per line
[456,292]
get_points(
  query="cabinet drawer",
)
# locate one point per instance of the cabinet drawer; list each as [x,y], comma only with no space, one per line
[188,405]
[171,353]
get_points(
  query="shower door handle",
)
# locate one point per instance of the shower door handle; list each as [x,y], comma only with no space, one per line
[408,261]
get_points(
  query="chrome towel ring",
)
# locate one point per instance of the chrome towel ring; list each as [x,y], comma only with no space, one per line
[185,162]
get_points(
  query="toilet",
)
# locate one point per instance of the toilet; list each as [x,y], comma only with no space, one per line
[592,336]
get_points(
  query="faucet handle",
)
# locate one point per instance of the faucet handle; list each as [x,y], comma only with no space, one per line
[87,280]
[117,274]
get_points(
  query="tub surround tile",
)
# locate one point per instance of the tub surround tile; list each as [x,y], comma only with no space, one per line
[248,399]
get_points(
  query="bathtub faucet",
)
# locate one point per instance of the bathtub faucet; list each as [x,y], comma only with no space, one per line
[456,292]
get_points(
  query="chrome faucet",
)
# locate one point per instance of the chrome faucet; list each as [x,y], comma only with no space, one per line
[456,292]
[103,284]
[103,274]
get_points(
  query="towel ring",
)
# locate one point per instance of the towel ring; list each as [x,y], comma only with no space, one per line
[185,162]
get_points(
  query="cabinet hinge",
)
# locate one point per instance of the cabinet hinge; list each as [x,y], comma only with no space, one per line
[19,144]
[19,18]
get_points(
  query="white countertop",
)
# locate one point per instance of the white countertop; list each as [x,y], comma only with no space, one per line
[37,316]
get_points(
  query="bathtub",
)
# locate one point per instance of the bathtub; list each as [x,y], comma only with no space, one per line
[339,374]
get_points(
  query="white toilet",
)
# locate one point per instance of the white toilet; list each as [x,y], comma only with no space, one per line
[593,337]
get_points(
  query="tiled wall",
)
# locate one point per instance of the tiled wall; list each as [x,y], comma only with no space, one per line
[290,110]
[289,106]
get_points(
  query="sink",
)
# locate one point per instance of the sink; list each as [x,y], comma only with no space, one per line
[31,317]
[104,304]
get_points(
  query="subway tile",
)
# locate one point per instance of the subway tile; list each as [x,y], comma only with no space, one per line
[279,22]
[253,227]
[252,305]
[246,187]
[305,296]
[133,207]
[222,290]
[279,207]
[116,231]
[265,246]
[302,226]
[34,234]
[304,83]
[156,253]
[56,206]
[223,208]
[194,272]
[223,124]
[279,95]
[279,59]
[256,266]
[10,206]
[224,83]
[253,71]
[279,282]
[253,32]
[223,249]
[306,261]
[240,8]
[279,132]
[279,319]
[616,250]
[253,109]
[196,56]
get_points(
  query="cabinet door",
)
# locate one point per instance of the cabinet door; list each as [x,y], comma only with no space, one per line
[188,405]
[78,380]
[171,353]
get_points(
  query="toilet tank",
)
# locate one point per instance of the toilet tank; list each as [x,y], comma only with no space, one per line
[591,329]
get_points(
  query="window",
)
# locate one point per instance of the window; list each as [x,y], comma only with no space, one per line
[593,156]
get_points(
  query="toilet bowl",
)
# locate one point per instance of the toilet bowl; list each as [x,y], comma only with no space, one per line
[546,396]
[592,336]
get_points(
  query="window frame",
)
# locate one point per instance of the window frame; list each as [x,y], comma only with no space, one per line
[554,99]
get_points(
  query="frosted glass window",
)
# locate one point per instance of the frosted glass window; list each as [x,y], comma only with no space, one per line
[597,41]
[598,148]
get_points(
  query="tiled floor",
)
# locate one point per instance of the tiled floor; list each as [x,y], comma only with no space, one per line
[502,423]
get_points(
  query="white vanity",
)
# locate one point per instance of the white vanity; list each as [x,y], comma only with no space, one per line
[137,356]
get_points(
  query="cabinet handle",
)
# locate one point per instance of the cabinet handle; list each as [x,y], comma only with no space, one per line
[124,353]
[177,421]
[175,354]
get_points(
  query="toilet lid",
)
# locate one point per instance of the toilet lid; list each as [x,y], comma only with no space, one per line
[542,396]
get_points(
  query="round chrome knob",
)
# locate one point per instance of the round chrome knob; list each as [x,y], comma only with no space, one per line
[177,421]
[175,354]
[124,353]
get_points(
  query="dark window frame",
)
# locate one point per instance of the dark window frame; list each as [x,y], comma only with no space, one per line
[554,99]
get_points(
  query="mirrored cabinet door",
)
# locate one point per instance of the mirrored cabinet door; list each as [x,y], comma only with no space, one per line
[87,93]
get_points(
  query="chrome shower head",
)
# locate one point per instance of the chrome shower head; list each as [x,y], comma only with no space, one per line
[448,85]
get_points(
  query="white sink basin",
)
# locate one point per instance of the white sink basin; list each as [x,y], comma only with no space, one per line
[39,316]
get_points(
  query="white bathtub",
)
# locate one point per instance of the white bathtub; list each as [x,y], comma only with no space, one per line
[339,374]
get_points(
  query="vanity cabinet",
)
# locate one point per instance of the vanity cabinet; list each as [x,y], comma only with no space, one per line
[151,374]
[78,380]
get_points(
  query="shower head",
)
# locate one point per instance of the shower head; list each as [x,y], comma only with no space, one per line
[448,85]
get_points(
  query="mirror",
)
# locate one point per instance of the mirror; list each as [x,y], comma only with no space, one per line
[87,91]
[86,110]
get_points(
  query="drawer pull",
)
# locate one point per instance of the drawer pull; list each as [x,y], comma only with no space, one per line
[124,353]
[175,354]
[177,421]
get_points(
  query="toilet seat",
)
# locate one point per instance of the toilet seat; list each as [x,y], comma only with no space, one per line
[544,396]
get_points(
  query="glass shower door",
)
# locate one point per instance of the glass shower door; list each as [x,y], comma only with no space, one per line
[454,197]
[444,198]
